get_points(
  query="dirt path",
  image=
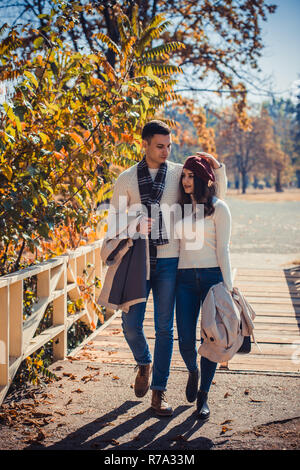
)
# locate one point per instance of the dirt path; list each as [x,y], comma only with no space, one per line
[93,407]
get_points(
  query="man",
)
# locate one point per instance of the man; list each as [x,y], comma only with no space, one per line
[154,182]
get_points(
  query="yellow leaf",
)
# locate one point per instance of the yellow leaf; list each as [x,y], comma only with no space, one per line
[18,124]
[44,199]
[44,137]
[9,111]
[7,171]
[31,78]
[150,74]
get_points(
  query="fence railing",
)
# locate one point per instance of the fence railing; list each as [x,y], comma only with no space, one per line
[56,282]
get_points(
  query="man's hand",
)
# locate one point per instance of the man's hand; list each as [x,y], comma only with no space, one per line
[211,160]
[145,226]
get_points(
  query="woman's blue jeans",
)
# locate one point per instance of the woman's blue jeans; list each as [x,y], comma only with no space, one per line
[163,284]
[192,287]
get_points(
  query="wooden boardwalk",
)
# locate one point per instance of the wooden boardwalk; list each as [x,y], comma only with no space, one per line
[275,296]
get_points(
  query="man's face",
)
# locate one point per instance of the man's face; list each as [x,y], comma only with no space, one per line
[158,150]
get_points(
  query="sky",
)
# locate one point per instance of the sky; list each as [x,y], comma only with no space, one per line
[281,36]
[279,62]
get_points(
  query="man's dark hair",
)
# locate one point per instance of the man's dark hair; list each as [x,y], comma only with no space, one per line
[155,127]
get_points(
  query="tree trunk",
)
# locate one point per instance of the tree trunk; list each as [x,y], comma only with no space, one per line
[244,181]
[267,182]
[278,185]
[112,32]
[237,182]
[298,178]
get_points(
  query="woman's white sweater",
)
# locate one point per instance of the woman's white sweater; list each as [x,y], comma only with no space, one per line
[204,242]
[126,195]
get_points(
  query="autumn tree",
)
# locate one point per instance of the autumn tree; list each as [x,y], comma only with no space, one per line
[296,138]
[283,115]
[71,115]
[251,150]
[222,38]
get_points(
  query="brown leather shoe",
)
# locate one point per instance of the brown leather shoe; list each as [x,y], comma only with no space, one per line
[142,380]
[159,403]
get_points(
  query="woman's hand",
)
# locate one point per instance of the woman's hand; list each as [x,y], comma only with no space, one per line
[211,160]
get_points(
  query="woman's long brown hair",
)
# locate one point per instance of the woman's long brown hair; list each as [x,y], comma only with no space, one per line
[203,194]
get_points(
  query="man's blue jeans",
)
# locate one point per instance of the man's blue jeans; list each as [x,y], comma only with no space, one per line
[163,284]
[191,289]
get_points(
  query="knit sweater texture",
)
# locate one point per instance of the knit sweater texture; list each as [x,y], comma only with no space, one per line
[204,242]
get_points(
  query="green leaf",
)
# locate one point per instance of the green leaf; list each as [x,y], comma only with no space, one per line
[38,42]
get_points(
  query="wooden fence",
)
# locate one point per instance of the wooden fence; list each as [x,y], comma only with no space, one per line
[56,280]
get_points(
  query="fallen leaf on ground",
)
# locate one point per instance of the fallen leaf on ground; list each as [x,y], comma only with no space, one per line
[40,414]
[227,421]
[36,438]
[225,429]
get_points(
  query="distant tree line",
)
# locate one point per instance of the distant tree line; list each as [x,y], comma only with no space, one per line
[262,147]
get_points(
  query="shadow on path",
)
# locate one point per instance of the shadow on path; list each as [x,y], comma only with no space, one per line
[175,438]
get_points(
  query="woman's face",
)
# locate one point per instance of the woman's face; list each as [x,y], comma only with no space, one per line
[187,179]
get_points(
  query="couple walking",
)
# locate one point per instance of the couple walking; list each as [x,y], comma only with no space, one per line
[180,271]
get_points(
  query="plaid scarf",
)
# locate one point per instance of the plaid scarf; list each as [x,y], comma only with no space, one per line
[151,193]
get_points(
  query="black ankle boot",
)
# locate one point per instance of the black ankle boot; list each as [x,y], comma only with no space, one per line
[192,386]
[202,406]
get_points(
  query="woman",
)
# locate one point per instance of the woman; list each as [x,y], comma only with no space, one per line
[204,233]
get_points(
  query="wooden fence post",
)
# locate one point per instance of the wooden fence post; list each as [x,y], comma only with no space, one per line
[4,336]
[60,316]
[16,319]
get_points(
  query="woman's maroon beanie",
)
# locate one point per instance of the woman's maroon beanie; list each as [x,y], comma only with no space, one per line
[200,167]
